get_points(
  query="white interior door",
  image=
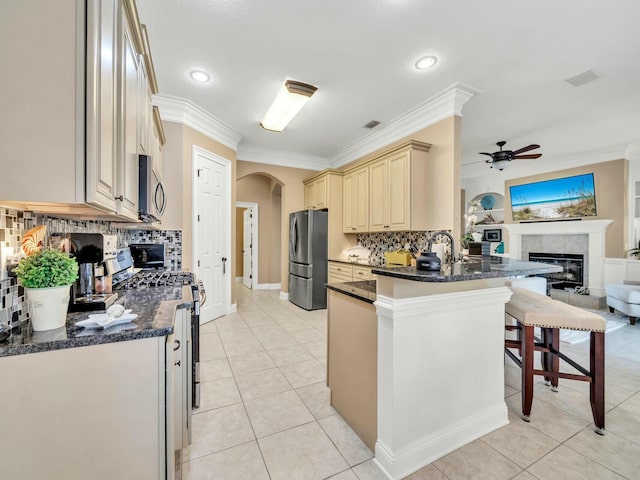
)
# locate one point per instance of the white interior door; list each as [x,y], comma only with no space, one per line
[247,234]
[212,231]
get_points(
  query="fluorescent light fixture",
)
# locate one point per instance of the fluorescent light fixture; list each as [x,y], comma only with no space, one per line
[200,76]
[288,102]
[427,62]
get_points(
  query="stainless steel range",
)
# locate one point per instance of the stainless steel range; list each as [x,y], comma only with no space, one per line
[125,280]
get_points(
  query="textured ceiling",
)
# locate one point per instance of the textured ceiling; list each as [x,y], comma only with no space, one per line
[360,54]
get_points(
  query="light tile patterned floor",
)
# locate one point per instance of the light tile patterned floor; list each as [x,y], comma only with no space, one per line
[265,411]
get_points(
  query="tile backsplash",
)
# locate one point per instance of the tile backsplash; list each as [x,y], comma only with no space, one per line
[382,242]
[14,223]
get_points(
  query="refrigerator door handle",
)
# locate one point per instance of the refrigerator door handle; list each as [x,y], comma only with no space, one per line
[295,235]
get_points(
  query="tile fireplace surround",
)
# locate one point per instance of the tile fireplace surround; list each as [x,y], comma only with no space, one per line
[572,237]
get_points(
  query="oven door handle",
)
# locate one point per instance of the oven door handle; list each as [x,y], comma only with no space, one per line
[202,292]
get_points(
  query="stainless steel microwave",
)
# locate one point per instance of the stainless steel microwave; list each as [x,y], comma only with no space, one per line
[152,198]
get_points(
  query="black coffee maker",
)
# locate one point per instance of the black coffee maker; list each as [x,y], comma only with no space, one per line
[92,290]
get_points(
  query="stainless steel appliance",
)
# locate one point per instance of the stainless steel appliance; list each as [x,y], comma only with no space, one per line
[147,255]
[152,199]
[126,280]
[93,289]
[308,258]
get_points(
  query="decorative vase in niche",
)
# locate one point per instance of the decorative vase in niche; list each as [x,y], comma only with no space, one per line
[477,236]
[48,307]
[488,202]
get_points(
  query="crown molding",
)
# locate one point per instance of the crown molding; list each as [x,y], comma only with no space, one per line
[447,103]
[248,153]
[180,110]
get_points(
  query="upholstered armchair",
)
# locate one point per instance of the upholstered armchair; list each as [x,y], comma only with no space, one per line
[625,298]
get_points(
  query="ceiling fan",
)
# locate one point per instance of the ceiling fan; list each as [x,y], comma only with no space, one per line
[501,158]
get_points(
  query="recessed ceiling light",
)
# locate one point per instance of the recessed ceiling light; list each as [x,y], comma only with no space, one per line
[427,62]
[200,76]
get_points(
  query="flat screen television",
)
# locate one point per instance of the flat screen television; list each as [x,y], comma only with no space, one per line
[560,198]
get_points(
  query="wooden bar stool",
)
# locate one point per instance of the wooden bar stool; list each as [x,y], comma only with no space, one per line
[531,310]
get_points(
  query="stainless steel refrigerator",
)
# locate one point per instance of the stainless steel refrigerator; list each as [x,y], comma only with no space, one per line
[308,258]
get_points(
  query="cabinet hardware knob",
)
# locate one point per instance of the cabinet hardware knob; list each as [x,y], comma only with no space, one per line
[177,363]
[121,198]
[177,345]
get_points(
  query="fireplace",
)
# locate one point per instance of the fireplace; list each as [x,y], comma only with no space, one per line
[564,237]
[572,274]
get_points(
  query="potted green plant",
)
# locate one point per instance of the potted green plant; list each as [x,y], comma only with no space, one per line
[47,276]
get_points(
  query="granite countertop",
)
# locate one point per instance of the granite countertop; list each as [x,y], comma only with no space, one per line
[363,264]
[476,268]
[362,290]
[155,307]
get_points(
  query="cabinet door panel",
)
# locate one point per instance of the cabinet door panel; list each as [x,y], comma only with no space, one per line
[398,185]
[309,195]
[378,196]
[130,91]
[102,107]
[321,193]
[362,200]
[349,203]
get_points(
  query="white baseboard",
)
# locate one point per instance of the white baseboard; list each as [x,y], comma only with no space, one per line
[284,295]
[410,458]
[233,308]
[268,286]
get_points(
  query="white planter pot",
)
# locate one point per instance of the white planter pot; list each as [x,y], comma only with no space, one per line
[48,307]
[477,236]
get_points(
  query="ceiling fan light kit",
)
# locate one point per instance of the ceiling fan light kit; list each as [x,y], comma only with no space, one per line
[501,159]
[289,101]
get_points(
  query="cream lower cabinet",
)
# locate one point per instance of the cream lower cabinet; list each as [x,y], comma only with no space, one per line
[344,272]
[355,210]
[90,412]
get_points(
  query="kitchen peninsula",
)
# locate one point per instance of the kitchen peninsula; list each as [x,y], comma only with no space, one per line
[440,361]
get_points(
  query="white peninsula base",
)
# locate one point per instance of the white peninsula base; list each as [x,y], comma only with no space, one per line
[440,368]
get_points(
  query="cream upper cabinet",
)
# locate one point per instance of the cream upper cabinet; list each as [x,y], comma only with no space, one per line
[102,107]
[158,140]
[129,125]
[390,193]
[316,193]
[399,191]
[378,198]
[387,193]
[356,201]
[84,130]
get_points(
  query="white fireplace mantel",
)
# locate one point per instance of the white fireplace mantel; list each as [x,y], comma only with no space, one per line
[595,229]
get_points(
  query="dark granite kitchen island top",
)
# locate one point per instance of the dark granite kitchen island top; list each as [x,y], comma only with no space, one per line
[362,290]
[155,307]
[476,268]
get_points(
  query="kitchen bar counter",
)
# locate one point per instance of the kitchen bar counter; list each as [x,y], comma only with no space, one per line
[155,307]
[439,355]
[476,268]
[365,291]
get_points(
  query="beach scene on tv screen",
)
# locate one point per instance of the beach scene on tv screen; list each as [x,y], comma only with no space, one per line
[568,197]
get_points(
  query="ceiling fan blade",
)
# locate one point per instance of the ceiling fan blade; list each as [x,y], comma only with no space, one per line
[525,149]
[533,155]
[485,153]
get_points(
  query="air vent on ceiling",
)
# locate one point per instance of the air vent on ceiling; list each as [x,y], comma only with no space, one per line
[371,124]
[583,78]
